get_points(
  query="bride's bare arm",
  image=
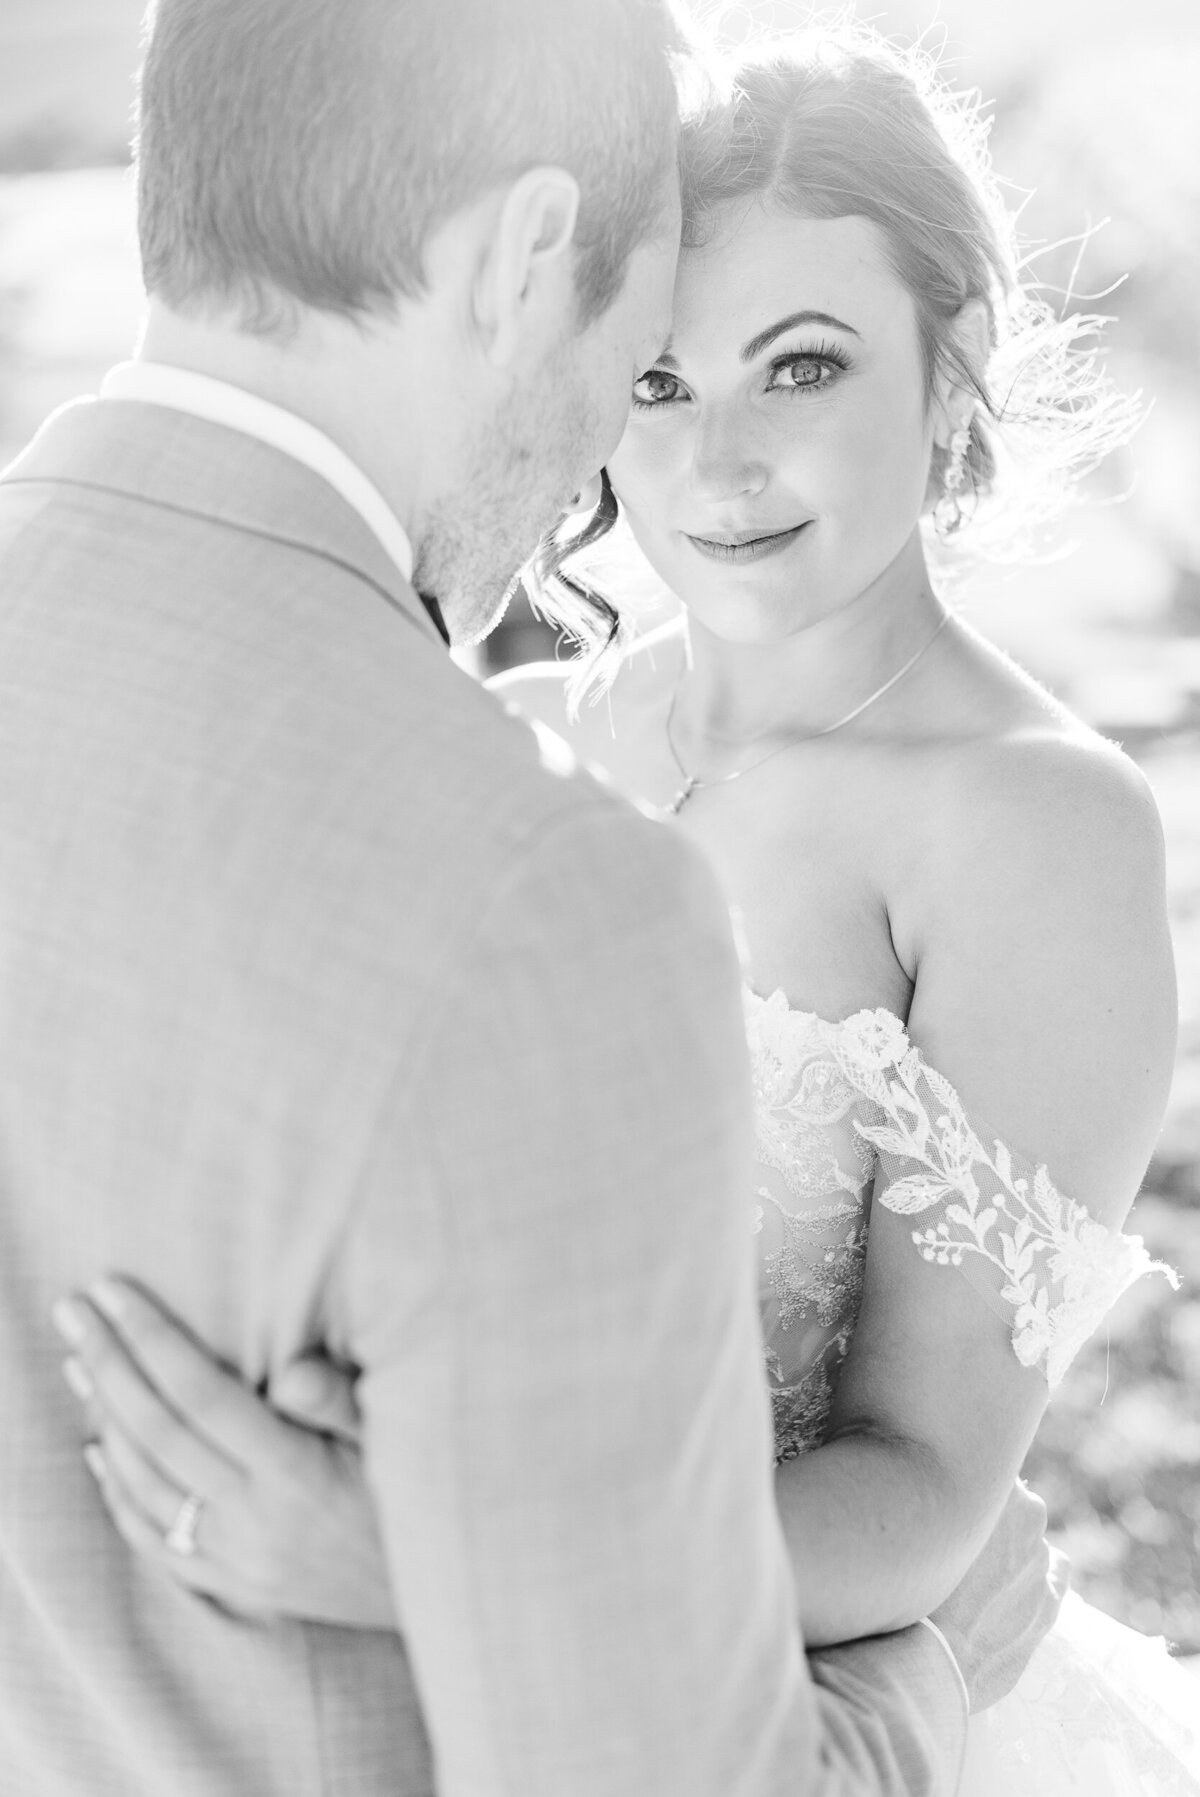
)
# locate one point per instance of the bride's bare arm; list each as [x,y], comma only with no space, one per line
[1045,994]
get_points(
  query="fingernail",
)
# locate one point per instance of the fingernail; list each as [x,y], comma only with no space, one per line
[109,1298]
[68,1318]
[93,1459]
[76,1376]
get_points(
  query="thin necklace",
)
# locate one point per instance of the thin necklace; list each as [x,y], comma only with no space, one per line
[693,783]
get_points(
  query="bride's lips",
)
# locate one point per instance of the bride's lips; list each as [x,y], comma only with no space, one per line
[745,546]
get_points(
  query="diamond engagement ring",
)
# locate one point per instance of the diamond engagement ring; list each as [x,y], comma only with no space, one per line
[181,1536]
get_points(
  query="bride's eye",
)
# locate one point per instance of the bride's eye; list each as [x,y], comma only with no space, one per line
[655,388]
[807,371]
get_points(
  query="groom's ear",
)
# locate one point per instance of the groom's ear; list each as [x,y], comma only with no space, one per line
[527,269]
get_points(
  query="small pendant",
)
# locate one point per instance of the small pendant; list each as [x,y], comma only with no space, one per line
[682,796]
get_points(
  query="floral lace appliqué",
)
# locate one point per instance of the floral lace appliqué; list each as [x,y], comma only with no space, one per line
[810,1279]
[815,1171]
[800,1411]
[842,1106]
[1059,1270]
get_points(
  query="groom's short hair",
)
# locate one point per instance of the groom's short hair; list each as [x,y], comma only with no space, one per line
[304,150]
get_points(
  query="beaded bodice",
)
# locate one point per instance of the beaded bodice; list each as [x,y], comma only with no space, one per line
[848,1115]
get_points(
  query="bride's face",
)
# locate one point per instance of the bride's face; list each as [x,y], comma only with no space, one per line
[776,459]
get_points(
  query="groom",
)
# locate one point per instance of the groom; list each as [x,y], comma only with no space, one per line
[338,1016]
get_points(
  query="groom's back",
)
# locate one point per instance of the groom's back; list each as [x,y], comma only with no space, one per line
[251,816]
[331,1014]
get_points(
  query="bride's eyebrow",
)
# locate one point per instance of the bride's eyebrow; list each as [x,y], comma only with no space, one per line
[757,344]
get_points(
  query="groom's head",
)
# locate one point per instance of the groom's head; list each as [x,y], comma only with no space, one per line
[468,207]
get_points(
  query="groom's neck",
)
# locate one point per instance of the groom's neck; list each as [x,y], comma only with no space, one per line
[327,371]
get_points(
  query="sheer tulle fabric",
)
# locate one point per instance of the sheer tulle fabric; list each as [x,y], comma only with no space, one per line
[1100,1712]
[849,1114]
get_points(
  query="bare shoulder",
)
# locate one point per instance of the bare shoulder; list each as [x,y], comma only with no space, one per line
[1027,778]
[1035,921]
[1052,792]
[1025,830]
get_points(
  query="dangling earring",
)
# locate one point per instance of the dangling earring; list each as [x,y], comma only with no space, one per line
[584,503]
[948,516]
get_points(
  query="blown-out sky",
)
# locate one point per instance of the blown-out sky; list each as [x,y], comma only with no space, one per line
[67,63]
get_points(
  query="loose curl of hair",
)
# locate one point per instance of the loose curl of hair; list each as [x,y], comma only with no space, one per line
[836,122]
[574,605]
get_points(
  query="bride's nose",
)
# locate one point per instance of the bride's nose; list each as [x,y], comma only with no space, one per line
[726,461]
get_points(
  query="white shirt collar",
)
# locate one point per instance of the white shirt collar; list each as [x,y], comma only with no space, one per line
[158,384]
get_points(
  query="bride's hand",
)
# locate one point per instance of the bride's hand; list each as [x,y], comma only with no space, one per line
[285,1524]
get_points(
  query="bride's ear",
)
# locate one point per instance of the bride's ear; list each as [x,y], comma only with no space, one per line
[954,401]
[527,269]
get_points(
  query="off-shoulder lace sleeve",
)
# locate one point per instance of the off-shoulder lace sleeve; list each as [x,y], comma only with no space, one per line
[1039,1259]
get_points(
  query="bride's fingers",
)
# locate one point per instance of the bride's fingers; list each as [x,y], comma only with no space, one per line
[117,1394]
[158,1498]
[144,1533]
[201,1573]
[209,1400]
[314,1392]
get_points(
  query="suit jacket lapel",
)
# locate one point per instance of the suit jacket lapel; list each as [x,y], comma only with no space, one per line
[171,459]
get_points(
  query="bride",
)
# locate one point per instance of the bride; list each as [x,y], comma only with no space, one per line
[950,893]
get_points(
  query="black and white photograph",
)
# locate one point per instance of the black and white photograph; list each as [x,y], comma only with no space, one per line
[599,898]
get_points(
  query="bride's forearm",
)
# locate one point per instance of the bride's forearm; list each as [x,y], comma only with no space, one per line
[878,1534]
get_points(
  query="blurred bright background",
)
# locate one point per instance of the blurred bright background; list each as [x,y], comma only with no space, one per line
[1095,107]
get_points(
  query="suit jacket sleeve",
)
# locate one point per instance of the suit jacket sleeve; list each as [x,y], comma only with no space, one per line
[549,1285]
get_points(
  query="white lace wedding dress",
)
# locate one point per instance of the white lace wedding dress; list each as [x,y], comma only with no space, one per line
[846,1110]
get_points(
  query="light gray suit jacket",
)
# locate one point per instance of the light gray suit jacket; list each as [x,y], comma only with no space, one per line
[337,1014]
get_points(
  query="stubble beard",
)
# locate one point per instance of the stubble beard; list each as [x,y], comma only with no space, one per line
[463,568]
[517,478]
